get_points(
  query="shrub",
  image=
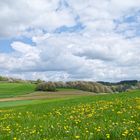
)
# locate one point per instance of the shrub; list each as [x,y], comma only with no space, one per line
[46,86]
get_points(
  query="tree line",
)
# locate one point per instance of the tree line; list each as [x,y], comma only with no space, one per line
[89,86]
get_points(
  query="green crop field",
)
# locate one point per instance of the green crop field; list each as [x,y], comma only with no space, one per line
[15,89]
[99,117]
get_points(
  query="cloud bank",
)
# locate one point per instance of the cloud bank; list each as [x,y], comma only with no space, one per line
[71,40]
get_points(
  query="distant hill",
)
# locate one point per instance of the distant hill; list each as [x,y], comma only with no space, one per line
[125,82]
[122,85]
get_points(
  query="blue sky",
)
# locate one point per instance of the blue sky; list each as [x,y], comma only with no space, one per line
[70,40]
[5,43]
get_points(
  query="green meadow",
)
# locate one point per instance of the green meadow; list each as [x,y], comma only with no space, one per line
[89,117]
[15,89]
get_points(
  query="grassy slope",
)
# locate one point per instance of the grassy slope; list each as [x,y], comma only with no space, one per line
[113,116]
[15,89]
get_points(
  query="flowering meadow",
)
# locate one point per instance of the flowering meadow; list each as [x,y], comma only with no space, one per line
[101,117]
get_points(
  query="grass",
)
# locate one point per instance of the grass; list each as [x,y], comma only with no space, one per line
[99,117]
[15,89]
[16,103]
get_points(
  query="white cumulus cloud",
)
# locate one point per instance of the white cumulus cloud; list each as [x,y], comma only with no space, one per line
[72,39]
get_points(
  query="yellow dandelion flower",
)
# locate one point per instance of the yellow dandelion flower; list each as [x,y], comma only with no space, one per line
[98,129]
[123,134]
[77,137]
[108,136]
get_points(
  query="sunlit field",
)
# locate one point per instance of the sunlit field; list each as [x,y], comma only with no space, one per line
[100,117]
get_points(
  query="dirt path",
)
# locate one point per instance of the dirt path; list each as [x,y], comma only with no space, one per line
[47,95]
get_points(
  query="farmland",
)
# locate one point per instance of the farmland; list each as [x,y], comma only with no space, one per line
[68,117]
